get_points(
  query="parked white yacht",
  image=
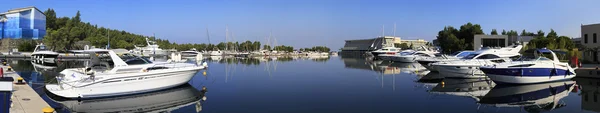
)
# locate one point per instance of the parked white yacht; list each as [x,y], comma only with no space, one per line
[151,49]
[468,66]
[532,67]
[216,52]
[317,54]
[412,57]
[192,53]
[134,75]
[533,98]
[43,53]
[385,50]
[427,61]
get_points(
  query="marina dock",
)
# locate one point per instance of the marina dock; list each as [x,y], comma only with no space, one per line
[60,56]
[24,98]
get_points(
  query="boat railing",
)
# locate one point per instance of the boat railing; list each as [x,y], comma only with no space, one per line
[172,65]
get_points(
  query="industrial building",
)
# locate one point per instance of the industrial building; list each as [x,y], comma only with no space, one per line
[379,42]
[369,44]
[589,40]
[414,43]
[26,23]
[480,41]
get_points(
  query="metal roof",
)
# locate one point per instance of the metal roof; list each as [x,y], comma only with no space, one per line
[17,10]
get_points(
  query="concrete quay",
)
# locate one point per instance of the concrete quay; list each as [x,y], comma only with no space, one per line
[24,98]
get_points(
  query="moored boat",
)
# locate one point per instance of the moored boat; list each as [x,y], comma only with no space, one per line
[533,67]
[114,77]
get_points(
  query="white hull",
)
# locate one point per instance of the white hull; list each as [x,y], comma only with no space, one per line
[461,72]
[527,80]
[123,84]
[406,59]
[215,53]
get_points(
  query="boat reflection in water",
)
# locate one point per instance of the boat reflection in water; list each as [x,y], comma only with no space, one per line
[474,88]
[532,97]
[159,101]
[590,92]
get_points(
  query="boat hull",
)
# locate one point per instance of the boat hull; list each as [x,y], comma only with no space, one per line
[427,65]
[125,84]
[460,71]
[527,75]
[405,59]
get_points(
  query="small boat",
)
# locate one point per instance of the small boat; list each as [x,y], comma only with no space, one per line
[215,53]
[151,49]
[115,77]
[385,50]
[43,53]
[532,67]
[427,61]
[192,53]
[414,56]
[533,98]
[468,66]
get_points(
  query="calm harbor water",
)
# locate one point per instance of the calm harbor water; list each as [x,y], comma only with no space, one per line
[328,84]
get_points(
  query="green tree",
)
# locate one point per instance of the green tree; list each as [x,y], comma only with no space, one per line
[503,32]
[494,32]
[512,33]
[552,34]
[403,46]
[267,47]
[467,32]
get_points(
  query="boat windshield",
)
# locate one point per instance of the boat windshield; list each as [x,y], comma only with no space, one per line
[463,54]
[470,56]
[406,53]
[533,58]
[137,61]
[42,48]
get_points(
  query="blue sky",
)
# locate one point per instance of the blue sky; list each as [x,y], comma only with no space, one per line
[306,23]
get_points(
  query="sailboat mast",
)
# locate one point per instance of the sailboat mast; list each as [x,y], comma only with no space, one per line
[226,35]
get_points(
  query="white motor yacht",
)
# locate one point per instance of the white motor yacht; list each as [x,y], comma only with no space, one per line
[532,67]
[114,77]
[412,57]
[151,49]
[427,61]
[192,53]
[215,53]
[43,53]
[385,50]
[468,66]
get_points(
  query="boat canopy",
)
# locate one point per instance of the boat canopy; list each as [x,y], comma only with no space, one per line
[540,54]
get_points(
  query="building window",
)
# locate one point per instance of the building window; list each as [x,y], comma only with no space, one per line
[594,40]
[585,38]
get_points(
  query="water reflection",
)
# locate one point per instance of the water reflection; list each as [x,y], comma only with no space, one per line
[161,101]
[262,59]
[533,97]
[431,77]
[384,67]
[473,88]
[590,92]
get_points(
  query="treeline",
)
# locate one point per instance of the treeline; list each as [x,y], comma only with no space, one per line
[317,49]
[68,33]
[452,39]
